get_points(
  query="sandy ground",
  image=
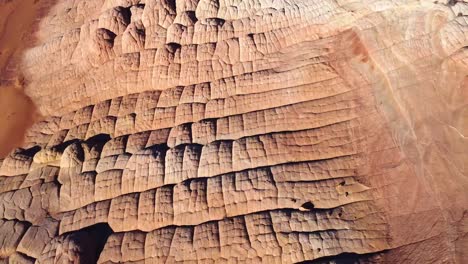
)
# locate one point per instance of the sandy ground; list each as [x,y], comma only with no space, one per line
[17,114]
[17,111]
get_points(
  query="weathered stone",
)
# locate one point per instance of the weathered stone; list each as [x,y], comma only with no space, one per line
[236,131]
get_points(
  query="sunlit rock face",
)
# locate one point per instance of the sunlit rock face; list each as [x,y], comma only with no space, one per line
[242,131]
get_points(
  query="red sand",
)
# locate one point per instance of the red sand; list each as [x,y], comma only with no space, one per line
[17,111]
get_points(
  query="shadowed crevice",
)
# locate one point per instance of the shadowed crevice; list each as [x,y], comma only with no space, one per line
[99,139]
[90,241]
[30,152]
[346,258]
[100,233]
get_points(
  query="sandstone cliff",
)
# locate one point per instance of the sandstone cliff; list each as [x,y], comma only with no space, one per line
[237,131]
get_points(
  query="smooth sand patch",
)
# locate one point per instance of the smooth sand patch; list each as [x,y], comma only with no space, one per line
[17,115]
[18,20]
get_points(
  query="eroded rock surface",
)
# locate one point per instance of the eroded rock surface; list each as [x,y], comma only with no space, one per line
[233,131]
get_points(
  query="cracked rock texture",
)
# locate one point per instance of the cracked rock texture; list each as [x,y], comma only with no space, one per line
[241,131]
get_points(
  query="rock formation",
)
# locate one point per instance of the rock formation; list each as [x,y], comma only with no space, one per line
[239,131]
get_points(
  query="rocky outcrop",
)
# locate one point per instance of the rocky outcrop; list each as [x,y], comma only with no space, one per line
[236,131]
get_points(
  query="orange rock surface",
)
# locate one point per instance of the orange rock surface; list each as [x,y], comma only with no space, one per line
[234,131]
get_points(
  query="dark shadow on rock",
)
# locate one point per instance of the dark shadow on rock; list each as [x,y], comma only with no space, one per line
[345,258]
[90,241]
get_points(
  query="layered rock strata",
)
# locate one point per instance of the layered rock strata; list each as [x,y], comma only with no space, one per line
[242,131]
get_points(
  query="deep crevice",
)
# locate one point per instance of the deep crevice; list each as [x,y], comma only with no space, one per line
[126,14]
[343,258]
[92,240]
[30,152]
[161,148]
[307,206]
[100,232]
[172,47]
[99,139]
[452,2]
[62,146]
